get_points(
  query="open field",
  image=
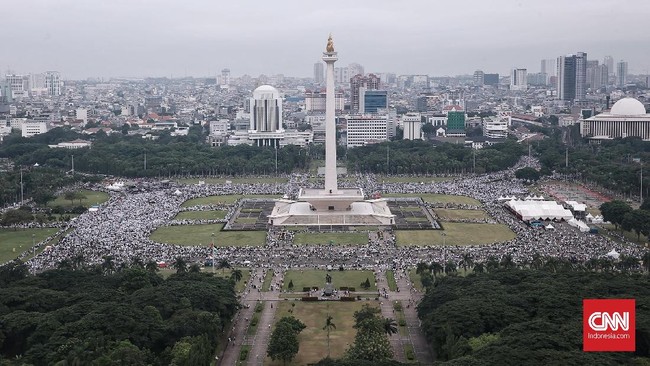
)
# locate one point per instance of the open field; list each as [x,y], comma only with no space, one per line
[225,199]
[461,214]
[415,279]
[399,179]
[434,197]
[268,277]
[359,238]
[390,278]
[313,339]
[92,198]
[316,278]
[201,215]
[456,234]
[232,180]
[202,235]
[13,243]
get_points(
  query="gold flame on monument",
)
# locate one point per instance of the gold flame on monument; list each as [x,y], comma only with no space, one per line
[330,44]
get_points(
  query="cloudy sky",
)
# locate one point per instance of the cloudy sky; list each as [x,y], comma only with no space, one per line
[135,38]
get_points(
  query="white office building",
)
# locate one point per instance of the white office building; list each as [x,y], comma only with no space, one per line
[266,116]
[412,123]
[31,128]
[518,80]
[496,127]
[220,127]
[366,129]
[53,83]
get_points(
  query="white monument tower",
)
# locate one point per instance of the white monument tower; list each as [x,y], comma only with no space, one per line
[330,57]
[330,206]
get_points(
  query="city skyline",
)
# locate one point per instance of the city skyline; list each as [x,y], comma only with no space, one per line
[134,39]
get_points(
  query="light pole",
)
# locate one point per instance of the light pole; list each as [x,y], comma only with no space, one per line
[33,246]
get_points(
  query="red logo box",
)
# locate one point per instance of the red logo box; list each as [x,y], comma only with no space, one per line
[608,325]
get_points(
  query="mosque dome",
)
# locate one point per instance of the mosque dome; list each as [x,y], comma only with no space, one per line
[266,92]
[628,107]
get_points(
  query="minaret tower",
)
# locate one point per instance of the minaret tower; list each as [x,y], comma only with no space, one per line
[330,57]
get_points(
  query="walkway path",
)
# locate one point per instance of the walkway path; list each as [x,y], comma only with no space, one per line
[260,342]
[420,346]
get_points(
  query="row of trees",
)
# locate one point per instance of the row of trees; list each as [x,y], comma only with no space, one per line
[622,215]
[105,315]
[524,316]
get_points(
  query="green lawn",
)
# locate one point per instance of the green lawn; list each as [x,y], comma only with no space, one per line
[13,243]
[202,235]
[266,285]
[435,197]
[461,214]
[352,238]
[390,278]
[398,179]
[201,215]
[316,278]
[232,180]
[456,234]
[313,339]
[92,198]
[415,279]
[224,199]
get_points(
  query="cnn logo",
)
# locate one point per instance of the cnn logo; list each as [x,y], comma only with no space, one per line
[602,321]
[608,325]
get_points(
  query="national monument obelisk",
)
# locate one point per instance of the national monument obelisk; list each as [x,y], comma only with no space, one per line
[330,57]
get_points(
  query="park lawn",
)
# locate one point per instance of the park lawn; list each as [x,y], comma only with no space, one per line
[390,278]
[461,214]
[201,215]
[242,180]
[456,234]
[268,277]
[316,278]
[313,339]
[435,197]
[399,179]
[629,235]
[202,235]
[227,199]
[14,242]
[92,198]
[415,279]
[352,238]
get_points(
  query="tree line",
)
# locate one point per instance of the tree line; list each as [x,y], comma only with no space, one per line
[528,315]
[108,315]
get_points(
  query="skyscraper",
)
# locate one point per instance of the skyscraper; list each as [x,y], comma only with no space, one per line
[518,79]
[355,69]
[225,78]
[572,77]
[357,82]
[609,62]
[53,83]
[621,73]
[479,78]
[319,70]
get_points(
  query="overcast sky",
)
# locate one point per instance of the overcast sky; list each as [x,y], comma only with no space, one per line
[135,38]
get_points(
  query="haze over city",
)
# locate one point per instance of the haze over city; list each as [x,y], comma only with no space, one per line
[198,38]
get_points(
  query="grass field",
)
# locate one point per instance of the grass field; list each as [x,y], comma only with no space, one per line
[434,197]
[202,235]
[461,214]
[629,235]
[397,179]
[316,278]
[313,339]
[13,243]
[266,285]
[359,238]
[201,215]
[456,234]
[415,279]
[225,199]
[232,180]
[92,198]
[390,278]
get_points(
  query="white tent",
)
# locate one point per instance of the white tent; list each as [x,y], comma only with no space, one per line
[178,193]
[550,227]
[613,254]
[579,224]
[539,210]
[576,206]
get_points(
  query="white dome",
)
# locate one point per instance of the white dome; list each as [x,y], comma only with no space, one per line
[628,107]
[266,92]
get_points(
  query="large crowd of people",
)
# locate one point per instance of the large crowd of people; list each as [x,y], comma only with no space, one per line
[122,226]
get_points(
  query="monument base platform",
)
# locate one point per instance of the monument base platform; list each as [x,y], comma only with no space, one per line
[359,213]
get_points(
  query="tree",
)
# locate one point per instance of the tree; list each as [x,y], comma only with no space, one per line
[436,268]
[390,326]
[645,205]
[290,285]
[108,266]
[527,173]
[371,342]
[151,266]
[637,221]
[283,344]
[614,211]
[223,264]
[467,261]
[421,268]
[236,275]
[42,197]
[16,217]
[180,265]
[70,196]
[365,284]
[329,325]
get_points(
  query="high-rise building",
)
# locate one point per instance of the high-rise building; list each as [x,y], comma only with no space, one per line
[609,62]
[372,101]
[548,67]
[491,79]
[355,69]
[319,73]
[316,101]
[366,129]
[225,78]
[621,73]
[456,123]
[592,66]
[537,78]
[412,123]
[518,79]
[478,78]
[266,109]
[572,77]
[53,83]
[17,84]
[369,82]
